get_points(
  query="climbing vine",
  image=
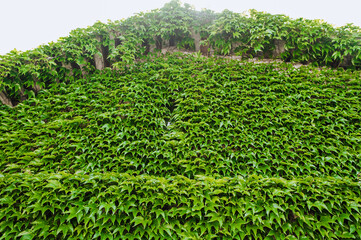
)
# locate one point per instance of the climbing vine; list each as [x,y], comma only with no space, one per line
[185,147]
[118,43]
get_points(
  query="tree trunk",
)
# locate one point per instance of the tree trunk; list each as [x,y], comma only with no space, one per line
[197,40]
[36,87]
[5,99]
[99,59]
[68,67]
[205,49]
[158,42]
[279,48]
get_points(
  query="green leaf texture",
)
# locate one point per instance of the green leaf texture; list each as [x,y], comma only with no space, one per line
[184,147]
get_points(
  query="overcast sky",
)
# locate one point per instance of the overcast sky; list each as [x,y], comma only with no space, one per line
[25,24]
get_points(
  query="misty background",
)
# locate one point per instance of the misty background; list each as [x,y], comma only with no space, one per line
[27,24]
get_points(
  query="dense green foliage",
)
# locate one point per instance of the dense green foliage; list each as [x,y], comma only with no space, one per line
[185,147]
[189,116]
[120,206]
[120,143]
[120,42]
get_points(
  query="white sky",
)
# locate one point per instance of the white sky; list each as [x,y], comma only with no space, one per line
[25,24]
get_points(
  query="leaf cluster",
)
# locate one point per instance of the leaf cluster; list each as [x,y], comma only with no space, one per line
[191,116]
[121,206]
[119,43]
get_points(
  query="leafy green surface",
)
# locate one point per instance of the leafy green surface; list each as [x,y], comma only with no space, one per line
[121,206]
[185,147]
[176,25]
[189,117]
